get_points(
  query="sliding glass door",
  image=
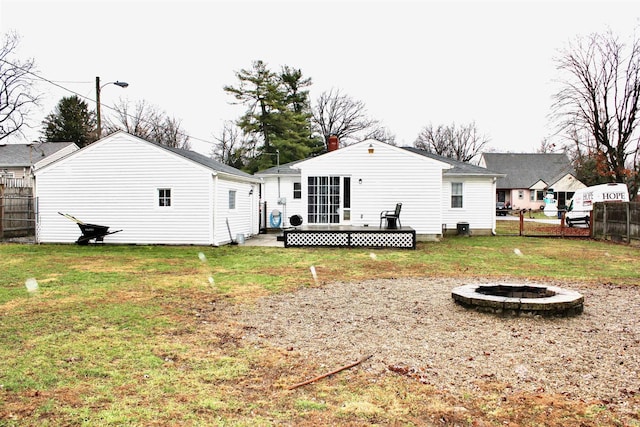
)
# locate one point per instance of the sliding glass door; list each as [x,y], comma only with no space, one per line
[323,200]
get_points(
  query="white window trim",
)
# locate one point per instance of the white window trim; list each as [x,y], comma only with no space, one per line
[461,195]
[299,191]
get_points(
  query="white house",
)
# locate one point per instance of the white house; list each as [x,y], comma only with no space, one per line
[353,185]
[153,193]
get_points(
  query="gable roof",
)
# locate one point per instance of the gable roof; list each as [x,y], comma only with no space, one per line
[26,155]
[198,158]
[285,169]
[370,143]
[523,170]
[206,161]
[458,168]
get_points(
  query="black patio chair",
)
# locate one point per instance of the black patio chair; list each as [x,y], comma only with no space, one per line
[392,217]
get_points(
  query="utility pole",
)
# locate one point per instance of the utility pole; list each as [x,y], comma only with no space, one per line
[98,105]
[99,119]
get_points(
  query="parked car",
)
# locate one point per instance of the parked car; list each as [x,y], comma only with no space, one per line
[501,209]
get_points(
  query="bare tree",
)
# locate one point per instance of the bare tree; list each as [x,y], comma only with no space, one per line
[547,146]
[150,123]
[168,132]
[600,95]
[462,143]
[381,134]
[588,162]
[340,115]
[17,95]
[233,148]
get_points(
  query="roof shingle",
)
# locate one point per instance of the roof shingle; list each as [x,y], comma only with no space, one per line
[25,155]
[523,170]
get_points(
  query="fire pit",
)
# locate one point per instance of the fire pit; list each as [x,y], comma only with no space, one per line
[519,299]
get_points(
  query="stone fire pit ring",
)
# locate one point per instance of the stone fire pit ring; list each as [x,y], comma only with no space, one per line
[519,299]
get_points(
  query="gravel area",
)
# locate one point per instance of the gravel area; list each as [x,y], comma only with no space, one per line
[413,327]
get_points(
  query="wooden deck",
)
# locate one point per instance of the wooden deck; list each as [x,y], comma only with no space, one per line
[350,237]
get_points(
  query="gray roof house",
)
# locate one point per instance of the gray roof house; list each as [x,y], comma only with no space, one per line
[457,167]
[528,176]
[17,161]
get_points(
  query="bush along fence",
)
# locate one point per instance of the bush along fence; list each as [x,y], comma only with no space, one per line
[616,221]
[17,212]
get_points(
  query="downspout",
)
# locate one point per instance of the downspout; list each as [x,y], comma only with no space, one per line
[493,192]
[214,194]
[278,171]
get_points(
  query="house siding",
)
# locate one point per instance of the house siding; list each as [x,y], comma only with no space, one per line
[270,196]
[478,208]
[114,182]
[239,221]
[568,183]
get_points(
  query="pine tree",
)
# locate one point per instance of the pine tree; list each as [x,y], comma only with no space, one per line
[277,118]
[71,121]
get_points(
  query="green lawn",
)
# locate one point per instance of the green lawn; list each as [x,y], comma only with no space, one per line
[114,335]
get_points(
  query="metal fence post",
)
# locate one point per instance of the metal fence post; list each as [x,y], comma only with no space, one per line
[1,211]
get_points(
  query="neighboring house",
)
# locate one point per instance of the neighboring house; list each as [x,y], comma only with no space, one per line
[528,176]
[354,184]
[155,194]
[17,161]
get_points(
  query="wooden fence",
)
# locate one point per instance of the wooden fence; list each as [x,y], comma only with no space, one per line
[17,212]
[616,221]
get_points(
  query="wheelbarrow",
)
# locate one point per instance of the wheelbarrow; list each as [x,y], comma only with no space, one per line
[90,231]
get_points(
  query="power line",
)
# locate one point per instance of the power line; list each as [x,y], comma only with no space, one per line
[56,84]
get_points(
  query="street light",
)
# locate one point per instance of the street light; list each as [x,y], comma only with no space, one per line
[98,89]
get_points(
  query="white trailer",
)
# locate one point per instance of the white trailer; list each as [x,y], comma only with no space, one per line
[579,210]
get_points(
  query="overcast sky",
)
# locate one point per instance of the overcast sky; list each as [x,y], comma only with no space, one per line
[411,63]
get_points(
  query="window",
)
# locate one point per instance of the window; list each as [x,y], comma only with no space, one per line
[535,195]
[297,190]
[346,198]
[232,199]
[456,194]
[346,192]
[164,197]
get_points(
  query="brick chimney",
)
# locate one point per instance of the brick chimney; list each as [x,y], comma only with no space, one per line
[333,144]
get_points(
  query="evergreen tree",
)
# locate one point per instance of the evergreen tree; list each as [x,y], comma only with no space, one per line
[71,121]
[277,118]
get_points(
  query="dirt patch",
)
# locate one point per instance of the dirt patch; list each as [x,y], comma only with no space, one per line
[413,328]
